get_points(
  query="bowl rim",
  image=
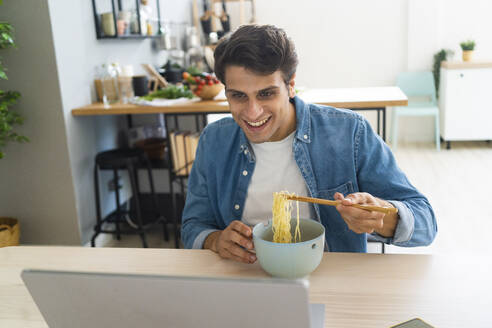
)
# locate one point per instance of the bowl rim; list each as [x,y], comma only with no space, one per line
[269,222]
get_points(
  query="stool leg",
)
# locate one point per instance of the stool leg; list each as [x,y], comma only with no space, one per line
[117,199]
[132,172]
[394,128]
[97,228]
[175,215]
[437,132]
[178,231]
[154,200]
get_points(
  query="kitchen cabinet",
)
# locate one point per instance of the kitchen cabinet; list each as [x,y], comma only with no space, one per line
[464,103]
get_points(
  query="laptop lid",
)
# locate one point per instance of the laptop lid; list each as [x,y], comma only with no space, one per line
[82,299]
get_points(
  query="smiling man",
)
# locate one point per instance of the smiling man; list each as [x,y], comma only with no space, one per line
[277,142]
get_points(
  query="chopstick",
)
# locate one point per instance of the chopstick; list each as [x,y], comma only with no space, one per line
[386,210]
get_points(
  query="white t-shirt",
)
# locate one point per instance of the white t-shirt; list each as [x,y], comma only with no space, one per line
[275,170]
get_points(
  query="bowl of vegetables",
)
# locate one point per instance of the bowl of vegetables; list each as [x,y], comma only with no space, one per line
[204,85]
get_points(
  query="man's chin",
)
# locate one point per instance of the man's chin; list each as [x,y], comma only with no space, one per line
[256,138]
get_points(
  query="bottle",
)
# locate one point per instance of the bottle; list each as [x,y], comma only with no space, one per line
[104,85]
[114,70]
[125,84]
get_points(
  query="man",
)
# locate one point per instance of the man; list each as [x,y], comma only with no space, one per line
[277,142]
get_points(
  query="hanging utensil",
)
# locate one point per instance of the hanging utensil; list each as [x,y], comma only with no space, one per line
[225,20]
[253,12]
[206,19]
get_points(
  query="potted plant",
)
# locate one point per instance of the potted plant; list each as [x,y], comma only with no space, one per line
[440,56]
[9,227]
[467,47]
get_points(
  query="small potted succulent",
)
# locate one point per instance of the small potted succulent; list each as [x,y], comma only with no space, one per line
[467,47]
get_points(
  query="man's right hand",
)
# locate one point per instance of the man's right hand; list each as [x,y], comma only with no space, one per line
[232,243]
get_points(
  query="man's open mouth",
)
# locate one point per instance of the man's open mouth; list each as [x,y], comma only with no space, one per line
[258,123]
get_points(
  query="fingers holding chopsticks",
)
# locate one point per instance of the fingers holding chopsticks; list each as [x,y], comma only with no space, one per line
[364,221]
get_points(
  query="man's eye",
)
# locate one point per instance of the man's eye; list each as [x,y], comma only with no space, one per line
[238,95]
[265,94]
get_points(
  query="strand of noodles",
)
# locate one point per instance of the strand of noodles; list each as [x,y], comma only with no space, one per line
[281,215]
[297,236]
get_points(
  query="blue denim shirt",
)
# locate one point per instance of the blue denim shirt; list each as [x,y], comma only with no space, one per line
[336,151]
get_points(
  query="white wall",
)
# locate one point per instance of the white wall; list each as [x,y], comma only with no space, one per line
[467,20]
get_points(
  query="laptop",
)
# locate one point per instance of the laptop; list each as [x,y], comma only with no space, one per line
[86,299]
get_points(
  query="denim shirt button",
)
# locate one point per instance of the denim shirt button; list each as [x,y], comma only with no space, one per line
[305,136]
[245,173]
[246,152]
[236,207]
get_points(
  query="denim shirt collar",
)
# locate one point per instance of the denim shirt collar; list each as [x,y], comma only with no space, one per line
[303,128]
[303,120]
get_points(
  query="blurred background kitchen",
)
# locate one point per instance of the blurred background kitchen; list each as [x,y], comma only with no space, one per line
[70,54]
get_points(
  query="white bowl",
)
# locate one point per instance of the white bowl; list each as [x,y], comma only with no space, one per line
[293,260]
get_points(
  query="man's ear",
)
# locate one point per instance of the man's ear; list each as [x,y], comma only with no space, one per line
[291,86]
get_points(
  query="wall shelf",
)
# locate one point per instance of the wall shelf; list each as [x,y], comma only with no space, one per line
[127,19]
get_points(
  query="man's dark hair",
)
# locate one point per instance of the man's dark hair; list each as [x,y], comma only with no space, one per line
[263,49]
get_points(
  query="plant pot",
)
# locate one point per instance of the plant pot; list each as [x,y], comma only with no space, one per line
[467,55]
[9,232]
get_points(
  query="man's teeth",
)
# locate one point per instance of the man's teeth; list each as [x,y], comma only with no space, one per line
[258,123]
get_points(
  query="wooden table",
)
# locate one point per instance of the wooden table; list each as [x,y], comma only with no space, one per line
[358,290]
[353,98]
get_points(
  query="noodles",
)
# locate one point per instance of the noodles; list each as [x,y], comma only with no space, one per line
[281,216]
[297,235]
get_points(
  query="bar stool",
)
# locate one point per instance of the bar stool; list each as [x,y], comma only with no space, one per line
[129,160]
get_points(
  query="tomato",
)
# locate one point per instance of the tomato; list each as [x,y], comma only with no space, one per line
[197,79]
[216,81]
[202,82]
[209,77]
[199,87]
[210,83]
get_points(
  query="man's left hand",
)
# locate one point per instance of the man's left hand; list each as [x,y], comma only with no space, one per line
[362,221]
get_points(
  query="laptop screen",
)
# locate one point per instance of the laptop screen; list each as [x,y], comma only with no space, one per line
[81,299]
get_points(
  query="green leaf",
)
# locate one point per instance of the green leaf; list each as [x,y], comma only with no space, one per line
[8,118]
[6,35]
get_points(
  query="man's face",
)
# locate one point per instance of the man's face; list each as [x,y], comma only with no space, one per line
[260,104]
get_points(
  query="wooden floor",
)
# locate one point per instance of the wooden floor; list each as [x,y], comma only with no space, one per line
[458,183]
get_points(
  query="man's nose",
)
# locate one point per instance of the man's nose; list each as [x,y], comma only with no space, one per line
[254,110]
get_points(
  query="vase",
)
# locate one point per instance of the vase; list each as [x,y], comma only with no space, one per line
[467,55]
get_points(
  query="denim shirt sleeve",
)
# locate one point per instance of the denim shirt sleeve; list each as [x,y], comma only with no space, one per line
[198,219]
[379,175]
